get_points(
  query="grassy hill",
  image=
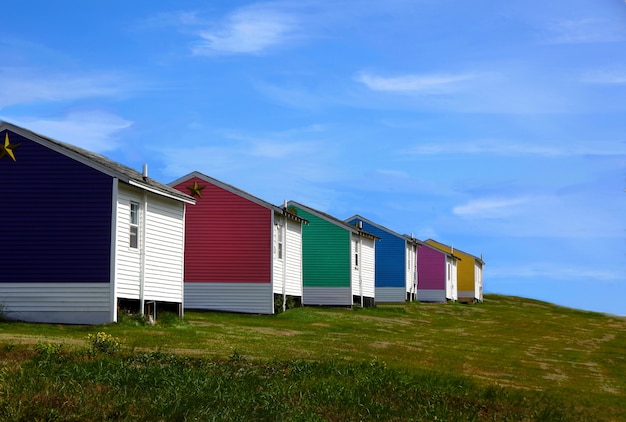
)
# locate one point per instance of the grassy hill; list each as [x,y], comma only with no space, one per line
[506,359]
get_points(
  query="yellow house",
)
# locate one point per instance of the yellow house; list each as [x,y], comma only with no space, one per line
[469,272]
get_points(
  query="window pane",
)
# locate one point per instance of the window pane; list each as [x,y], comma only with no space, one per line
[134,213]
[133,237]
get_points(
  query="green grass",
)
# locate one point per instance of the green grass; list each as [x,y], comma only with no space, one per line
[506,359]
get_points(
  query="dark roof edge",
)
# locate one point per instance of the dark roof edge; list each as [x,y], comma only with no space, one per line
[100,163]
[388,230]
[235,190]
[457,249]
[334,220]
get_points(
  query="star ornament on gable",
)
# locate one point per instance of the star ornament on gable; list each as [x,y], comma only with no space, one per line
[196,189]
[7,148]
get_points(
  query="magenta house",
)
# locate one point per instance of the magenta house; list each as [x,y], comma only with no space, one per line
[436,274]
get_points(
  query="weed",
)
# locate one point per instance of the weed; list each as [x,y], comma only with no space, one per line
[170,319]
[133,319]
[102,342]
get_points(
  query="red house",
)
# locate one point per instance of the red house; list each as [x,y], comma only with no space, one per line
[242,254]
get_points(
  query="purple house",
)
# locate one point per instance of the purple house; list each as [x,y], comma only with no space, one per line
[84,235]
[436,274]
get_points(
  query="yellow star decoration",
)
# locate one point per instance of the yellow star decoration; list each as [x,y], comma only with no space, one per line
[7,148]
[196,189]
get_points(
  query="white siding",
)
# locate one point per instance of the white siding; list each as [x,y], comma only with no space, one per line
[478,280]
[390,294]
[431,295]
[292,253]
[164,250]
[363,275]
[330,296]
[451,279]
[354,269]
[60,303]
[368,267]
[411,268]
[128,260]
[294,258]
[164,246]
[255,298]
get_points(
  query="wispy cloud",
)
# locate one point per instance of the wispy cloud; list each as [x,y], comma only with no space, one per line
[606,77]
[554,271]
[584,31]
[489,208]
[95,131]
[249,30]
[488,147]
[29,86]
[425,84]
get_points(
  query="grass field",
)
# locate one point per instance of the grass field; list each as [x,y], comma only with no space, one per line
[506,359]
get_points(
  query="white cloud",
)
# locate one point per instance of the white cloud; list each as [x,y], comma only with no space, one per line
[553,271]
[489,208]
[488,147]
[587,30]
[28,86]
[249,30]
[606,77]
[94,131]
[397,174]
[428,84]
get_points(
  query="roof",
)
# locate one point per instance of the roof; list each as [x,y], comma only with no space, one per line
[334,220]
[402,236]
[453,249]
[239,192]
[101,163]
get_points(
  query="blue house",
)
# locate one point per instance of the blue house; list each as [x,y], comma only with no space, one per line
[396,262]
[84,236]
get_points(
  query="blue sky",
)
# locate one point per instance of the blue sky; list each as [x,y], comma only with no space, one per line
[498,127]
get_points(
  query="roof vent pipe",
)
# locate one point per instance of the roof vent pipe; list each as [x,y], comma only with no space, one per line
[144,173]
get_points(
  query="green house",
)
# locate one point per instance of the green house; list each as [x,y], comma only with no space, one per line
[338,260]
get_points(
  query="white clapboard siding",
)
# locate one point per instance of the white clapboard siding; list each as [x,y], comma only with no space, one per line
[292,250]
[59,303]
[411,267]
[478,280]
[390,294]
[363,275]
[368,273]
[294,258]
[256,298]
[355,276]
[163,243]
[277,263]
[331,296]
[164,250]
[465,295]
[438,295]
[128,260]
[451,279]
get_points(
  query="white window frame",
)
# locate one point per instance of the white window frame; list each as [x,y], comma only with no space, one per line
[280,248]
[134,220]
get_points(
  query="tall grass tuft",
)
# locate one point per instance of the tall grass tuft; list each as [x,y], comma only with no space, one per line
[161,386]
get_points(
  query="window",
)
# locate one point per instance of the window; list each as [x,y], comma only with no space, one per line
[134,225]
[448,271]
[356,254]
[279,240]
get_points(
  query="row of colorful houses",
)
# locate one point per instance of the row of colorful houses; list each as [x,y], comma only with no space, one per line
[86,238]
